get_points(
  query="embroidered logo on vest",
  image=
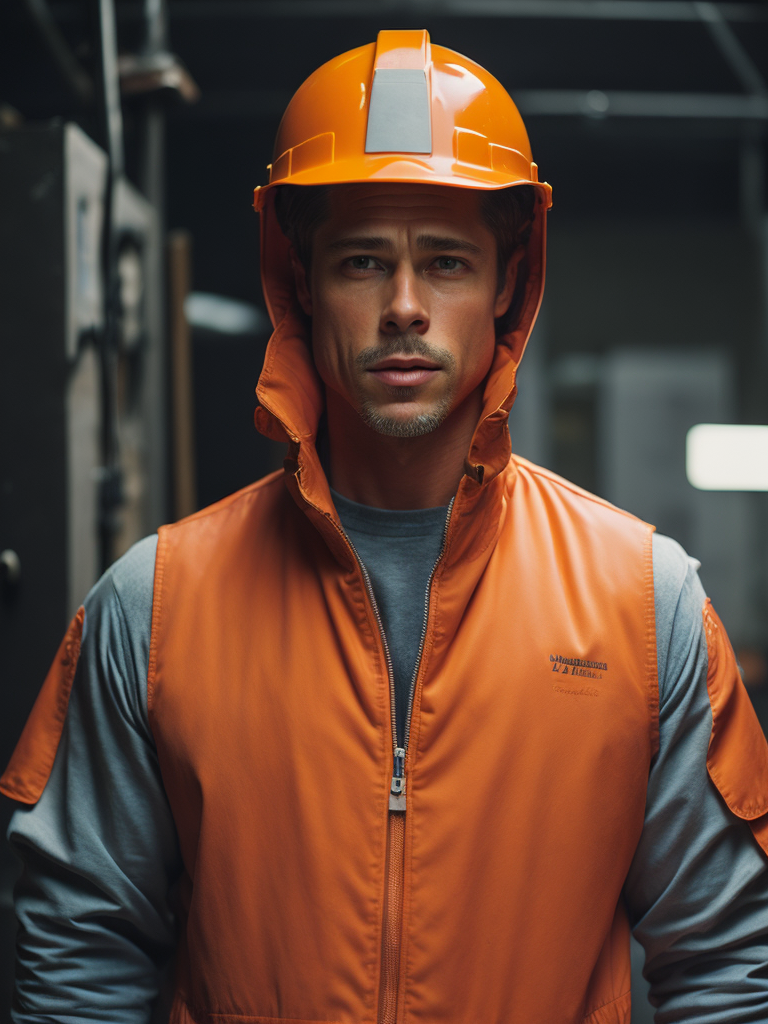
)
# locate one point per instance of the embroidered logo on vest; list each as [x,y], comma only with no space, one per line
[577,667]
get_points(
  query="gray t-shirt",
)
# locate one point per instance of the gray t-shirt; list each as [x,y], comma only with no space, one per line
[100,849]
[399,550]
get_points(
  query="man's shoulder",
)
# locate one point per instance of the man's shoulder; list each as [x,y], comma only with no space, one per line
[575,498]
[126,588]
[132,573]
[675,576]
[119,605]
[673,568]
[260,496]
[679,600]
[228,536]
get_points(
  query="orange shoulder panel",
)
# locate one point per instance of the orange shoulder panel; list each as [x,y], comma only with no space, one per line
[27,773]
[738,753]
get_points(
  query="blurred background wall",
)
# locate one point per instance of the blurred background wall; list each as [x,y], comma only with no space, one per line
[132,327]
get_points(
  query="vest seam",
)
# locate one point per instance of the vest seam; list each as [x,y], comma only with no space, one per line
[602,1006]
[258,1017]
[157,610]
[197,1013]
[651,666]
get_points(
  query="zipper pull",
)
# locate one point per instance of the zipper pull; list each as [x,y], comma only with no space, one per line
[397,789]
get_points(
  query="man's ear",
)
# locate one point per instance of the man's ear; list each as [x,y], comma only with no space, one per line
[504,296]
[303,293]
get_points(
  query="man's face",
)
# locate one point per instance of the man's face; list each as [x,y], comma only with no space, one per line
[403,292]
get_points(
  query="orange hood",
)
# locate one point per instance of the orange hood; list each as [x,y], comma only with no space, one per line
[291,395]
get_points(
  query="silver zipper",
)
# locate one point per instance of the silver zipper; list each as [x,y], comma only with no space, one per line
[397,784]
[395,793]
[427,594]
[385,645]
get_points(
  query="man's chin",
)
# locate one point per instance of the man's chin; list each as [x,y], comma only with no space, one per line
[415,425]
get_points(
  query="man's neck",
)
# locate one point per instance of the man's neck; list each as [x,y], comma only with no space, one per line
[398,472]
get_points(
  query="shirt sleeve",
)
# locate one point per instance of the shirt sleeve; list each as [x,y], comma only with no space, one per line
[99,847]
[697,890]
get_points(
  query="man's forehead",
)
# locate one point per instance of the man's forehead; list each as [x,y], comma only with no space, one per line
[401,202]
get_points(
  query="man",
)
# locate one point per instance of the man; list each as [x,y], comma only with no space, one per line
[418,729]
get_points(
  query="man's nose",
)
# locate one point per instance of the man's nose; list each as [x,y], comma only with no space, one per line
[405,309]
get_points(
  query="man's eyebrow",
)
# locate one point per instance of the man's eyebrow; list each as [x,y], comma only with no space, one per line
[427,243]
[441,243]
[369,243]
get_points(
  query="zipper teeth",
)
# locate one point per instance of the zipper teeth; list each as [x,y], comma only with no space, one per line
[393,921]
[427,594]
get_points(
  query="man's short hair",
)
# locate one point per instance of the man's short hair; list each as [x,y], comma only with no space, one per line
[508,212]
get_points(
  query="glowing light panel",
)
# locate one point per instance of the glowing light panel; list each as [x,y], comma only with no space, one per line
[727,457]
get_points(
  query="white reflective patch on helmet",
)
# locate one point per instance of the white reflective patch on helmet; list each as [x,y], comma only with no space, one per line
[398,115]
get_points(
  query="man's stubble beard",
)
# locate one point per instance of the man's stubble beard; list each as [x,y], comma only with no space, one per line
[391,426]
[421,423]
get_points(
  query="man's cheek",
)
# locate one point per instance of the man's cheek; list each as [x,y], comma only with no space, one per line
[329,361]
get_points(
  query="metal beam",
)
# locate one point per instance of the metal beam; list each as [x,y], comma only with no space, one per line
[730,47]
[111,118]
[581,10]
[568,10]
[572,102]
[76,77]
[270,103]
[156,26]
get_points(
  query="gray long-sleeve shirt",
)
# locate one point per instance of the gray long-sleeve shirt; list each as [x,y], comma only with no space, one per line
[100,851]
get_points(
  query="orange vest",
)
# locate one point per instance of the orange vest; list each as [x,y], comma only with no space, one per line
[496,896]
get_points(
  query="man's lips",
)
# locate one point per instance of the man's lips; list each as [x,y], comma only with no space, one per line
[404,371]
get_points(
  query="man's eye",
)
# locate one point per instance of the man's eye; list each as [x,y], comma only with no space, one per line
[448,263]
[363,263]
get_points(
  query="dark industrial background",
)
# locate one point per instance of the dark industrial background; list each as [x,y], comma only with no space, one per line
[132,326]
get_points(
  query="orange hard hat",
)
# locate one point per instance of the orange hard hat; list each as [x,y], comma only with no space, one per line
[402,110]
